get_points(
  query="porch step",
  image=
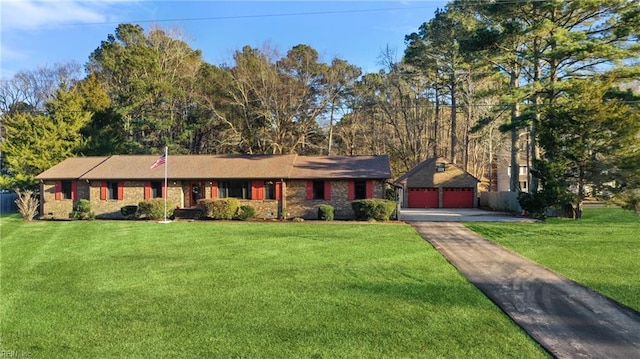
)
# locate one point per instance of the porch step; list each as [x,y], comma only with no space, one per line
[187,213]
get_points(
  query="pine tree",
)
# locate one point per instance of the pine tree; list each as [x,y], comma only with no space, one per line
[586,138]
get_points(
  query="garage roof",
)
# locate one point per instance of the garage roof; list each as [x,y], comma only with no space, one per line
[427,174]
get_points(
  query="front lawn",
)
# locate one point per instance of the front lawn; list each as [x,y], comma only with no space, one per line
[601,251]
[231,289]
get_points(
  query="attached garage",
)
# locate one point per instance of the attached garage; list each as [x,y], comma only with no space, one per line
[423,197]
[438,183]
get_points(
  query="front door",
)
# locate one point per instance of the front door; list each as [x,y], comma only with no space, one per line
[196,193]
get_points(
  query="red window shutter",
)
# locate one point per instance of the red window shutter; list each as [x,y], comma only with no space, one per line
[120,191]
[309,190]
[74,190]
[58,190]
[214,189]
[278,190]
[257,190]
[103,190]
[164,189]
[369,185]
[147,190]
[327,190]
[352,191]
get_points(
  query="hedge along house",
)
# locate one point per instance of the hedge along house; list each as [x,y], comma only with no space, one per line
[438,183]
[276,186]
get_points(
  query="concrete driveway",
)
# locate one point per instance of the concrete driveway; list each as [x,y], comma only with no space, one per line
[458,215]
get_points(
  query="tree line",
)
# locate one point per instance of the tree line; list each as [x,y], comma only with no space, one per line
[472,82]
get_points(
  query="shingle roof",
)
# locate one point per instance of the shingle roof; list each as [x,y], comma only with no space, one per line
[71,168]
[419,167]
[193,167]
[135,167]
[425,174]
[341,167]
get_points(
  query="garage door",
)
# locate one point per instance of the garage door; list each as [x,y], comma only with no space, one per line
[458,197]
[423,198]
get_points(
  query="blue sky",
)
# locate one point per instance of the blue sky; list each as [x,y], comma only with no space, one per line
[42,33]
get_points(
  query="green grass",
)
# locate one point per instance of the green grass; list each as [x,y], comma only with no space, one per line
[233,289]
[601,251]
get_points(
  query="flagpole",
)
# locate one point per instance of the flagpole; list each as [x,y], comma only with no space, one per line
[166,181]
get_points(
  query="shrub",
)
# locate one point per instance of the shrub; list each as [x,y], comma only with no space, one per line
[206,205]
[27,204]
[630,200]
[535,204]
[376,209]
[391,194]
[326,212]
[246,212]
[82,210]
[154,209]
[219,209]
[130,212]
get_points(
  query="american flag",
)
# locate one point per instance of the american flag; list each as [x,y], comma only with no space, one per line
[160,161]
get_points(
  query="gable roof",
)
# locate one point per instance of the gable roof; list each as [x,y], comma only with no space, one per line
[192,167]
[71,168]
[138,167]
[336,167]
[452,176]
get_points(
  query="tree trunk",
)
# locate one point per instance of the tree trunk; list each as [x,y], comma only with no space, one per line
[435,123]
[514,185]
[330,129]
[533,132]
[454,120]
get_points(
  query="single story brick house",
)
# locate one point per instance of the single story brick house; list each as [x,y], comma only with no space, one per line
[275,185]
[438,183]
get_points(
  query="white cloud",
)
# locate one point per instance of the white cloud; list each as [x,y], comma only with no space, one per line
[9,53]
[30,15]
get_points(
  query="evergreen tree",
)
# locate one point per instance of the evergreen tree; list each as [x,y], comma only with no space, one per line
[104,134]
[35,141]
[151,80]
[586,136]
[547,43]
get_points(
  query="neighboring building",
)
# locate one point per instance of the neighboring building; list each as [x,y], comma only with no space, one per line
[502,175]
[438,183]
[501,171]
[276,186]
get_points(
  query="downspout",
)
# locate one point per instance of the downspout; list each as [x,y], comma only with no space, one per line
[282,211]
[41,205]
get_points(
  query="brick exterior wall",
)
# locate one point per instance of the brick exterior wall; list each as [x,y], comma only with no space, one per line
[297,204]
[50,208]
[133,193]
[451,177]
[294,202]
[264,208]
